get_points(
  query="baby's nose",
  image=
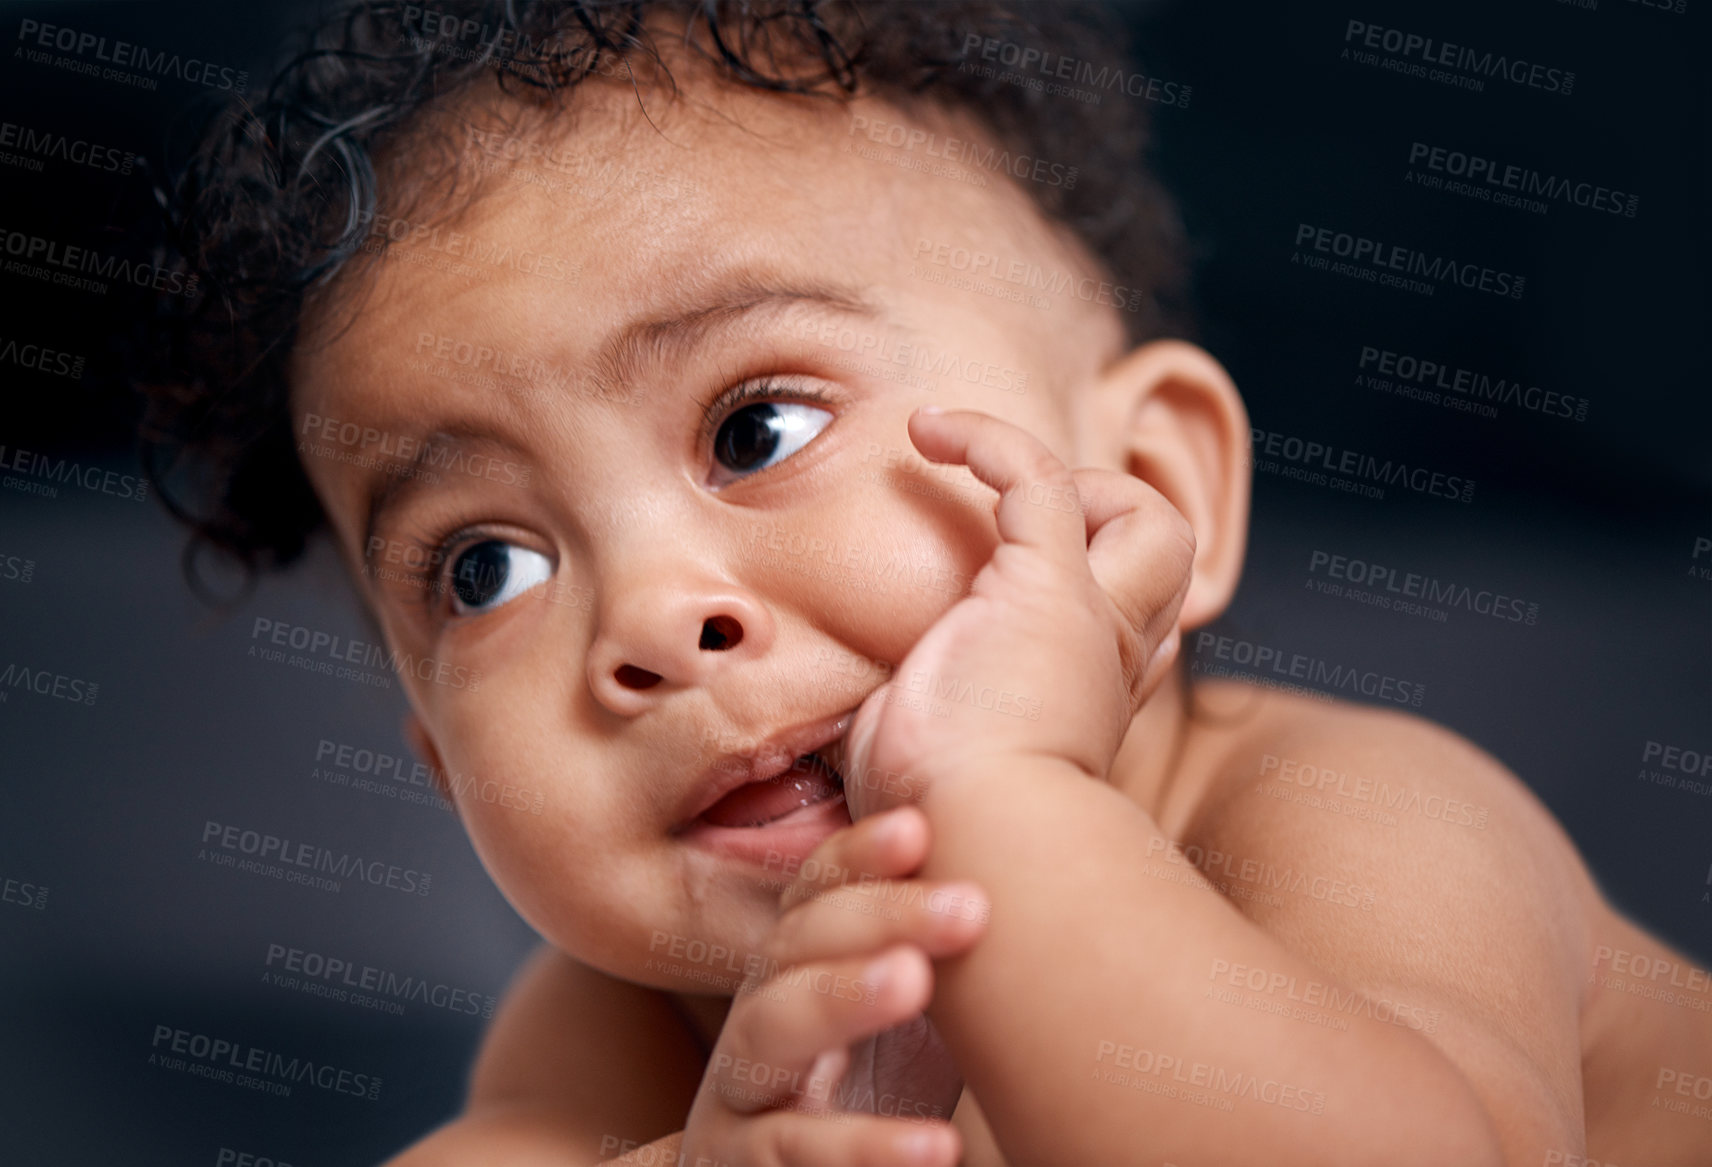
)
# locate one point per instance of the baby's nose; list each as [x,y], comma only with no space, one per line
[656,640]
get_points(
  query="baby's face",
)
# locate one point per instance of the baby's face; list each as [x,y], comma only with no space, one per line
[667,508]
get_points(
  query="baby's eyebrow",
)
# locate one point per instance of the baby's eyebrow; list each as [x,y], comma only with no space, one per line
[671,337]
[385,492]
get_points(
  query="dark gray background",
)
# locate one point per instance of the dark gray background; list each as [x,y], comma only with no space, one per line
[1594,521]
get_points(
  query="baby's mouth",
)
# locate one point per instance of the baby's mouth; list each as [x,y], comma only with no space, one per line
[808,781]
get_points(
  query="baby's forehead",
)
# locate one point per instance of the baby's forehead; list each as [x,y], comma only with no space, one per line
[721,171]
[570,220]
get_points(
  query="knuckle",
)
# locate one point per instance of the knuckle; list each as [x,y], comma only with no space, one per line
[795,896]
[1132,656]
[1091,482]
[787,935]
[851,898]
[1171,527]
[1041,463]
[1056,477]
[787,1144]
[1183,535]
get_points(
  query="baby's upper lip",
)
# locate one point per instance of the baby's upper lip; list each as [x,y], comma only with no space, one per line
[767,757]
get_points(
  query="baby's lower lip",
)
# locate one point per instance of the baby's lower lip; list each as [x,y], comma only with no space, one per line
[791,836]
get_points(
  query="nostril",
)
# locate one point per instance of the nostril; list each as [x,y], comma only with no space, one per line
[632,677]
[719,633]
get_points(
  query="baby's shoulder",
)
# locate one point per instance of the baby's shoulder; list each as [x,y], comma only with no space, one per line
[1393,813]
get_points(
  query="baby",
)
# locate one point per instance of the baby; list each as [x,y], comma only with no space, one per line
[755,427]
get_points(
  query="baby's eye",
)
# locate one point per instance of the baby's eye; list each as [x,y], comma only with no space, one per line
[762,434]
[493,572]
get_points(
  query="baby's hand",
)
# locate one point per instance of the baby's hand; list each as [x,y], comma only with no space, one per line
[848,965]
[1066,630]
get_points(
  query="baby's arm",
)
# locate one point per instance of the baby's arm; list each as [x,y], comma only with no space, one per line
[1099,964]
[1086,1021]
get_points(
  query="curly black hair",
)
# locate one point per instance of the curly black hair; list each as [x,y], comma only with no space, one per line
[275,198]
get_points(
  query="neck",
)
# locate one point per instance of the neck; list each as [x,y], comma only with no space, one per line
[703,1014]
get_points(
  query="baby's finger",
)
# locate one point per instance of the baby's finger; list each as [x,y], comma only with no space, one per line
[883,846]
[1037,505]
[796,1139]
[1141,551]
[942,919]
[774,1035]
[1108,494]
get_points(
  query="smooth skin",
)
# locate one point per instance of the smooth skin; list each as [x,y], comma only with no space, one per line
[862,549]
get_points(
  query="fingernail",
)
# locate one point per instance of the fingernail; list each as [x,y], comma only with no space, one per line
[892,825]
[884,970]
[923,1146]
[824,1065]
[961,901]
[931,409]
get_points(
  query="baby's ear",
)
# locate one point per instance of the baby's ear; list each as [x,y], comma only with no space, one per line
[1169,414]
[416,734]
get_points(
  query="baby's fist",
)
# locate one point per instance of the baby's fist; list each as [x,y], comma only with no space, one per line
[1065,632]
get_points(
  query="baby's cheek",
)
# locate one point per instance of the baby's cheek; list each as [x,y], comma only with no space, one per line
[526,816]
[876,575]
[555,870]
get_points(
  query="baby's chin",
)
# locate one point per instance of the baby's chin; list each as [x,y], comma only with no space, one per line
[704,906]
[707,962]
